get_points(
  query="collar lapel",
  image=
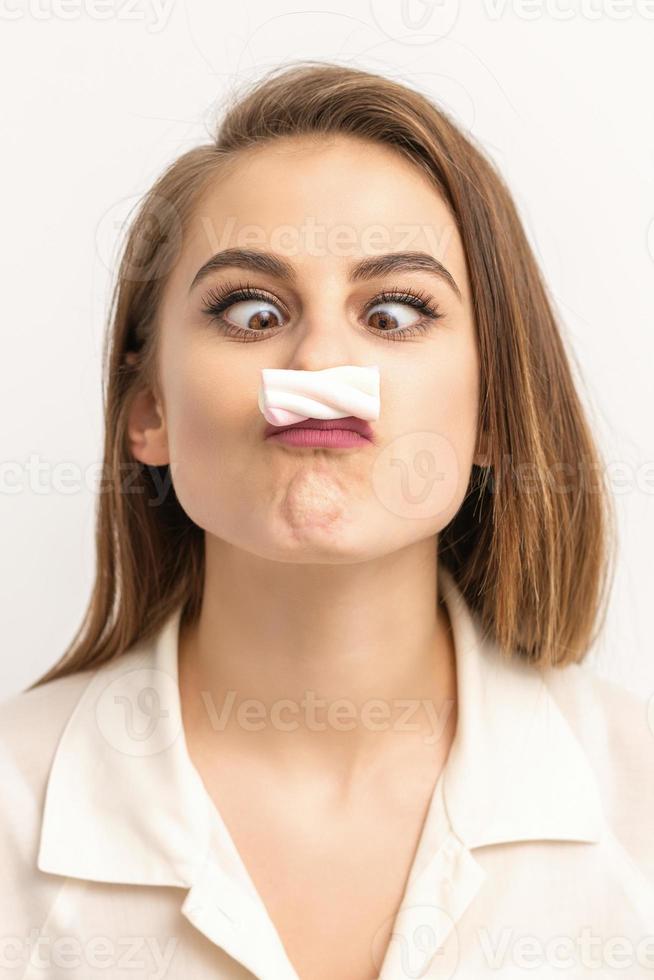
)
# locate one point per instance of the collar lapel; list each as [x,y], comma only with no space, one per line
[515,770]
[122,804]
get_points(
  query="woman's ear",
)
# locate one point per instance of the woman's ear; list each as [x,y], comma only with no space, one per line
[146,426]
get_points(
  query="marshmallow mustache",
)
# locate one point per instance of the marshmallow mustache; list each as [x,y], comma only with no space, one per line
[287,396]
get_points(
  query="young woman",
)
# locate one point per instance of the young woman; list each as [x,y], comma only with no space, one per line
[327,714]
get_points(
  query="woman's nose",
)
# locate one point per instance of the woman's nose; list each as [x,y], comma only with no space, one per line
[321,340]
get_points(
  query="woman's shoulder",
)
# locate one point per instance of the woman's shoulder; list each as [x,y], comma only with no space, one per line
[31,723]
[615,726]
[604,712]
[28,717]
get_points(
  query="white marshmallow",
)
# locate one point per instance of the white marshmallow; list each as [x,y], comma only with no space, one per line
[287,396]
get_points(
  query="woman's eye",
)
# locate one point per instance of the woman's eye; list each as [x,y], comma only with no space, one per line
[393,316]
[254,315]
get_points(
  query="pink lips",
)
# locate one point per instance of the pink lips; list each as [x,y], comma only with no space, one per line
[334,433]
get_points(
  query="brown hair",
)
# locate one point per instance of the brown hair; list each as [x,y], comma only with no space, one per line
[532,560]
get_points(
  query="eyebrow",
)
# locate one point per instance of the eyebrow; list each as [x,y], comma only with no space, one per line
[369,268]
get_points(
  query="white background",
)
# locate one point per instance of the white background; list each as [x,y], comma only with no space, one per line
[99,96]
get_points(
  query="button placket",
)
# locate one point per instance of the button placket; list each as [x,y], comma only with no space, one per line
[232,919]
[430,910]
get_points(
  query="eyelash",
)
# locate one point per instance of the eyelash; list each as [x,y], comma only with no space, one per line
[220,298]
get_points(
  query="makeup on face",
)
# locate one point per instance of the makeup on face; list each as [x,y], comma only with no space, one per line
[331,408]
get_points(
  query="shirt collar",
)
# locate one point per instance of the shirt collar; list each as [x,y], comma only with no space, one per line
[515,770]
[125,804]
[123,801]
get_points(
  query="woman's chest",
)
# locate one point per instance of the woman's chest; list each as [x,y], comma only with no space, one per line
[331,880]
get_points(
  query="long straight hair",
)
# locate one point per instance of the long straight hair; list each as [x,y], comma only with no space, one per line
[531,559]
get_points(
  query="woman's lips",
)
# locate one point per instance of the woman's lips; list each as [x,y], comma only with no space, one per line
[335,433]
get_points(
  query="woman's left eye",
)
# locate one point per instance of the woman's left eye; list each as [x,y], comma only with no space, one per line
[393,316]
[388,315]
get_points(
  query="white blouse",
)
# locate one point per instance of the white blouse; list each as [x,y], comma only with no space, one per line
[536,857]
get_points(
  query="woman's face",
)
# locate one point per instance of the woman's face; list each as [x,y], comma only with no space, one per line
[320,207]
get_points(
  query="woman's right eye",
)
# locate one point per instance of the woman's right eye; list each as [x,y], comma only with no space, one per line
[253,315]
[250,312]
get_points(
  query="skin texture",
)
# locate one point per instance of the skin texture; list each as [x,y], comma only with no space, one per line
[320,564]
